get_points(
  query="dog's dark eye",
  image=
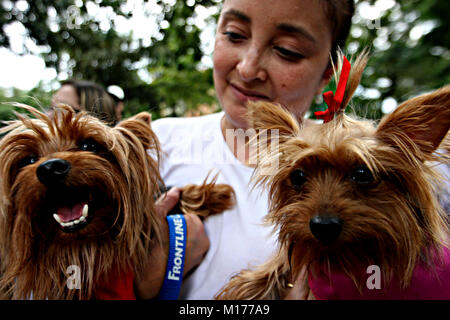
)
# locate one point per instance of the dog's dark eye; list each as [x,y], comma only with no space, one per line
[28,160]
[362,175]
[298,178]
[90,145]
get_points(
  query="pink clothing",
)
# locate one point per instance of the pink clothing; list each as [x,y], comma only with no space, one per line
[426,284]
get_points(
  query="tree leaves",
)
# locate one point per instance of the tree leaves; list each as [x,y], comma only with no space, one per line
[408,40]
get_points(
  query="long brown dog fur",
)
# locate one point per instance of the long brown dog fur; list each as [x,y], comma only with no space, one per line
[120,177]
[394,222]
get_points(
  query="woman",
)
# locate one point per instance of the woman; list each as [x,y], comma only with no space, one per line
[277,51]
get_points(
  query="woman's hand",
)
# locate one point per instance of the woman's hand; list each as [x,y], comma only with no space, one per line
[197,244]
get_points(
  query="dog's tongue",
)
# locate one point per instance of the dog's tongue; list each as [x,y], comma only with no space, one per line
[67,214]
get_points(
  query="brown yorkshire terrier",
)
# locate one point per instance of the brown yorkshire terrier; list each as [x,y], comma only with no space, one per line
[348,194]
[76,192]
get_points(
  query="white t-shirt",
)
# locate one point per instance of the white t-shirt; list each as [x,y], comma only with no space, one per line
[192,147]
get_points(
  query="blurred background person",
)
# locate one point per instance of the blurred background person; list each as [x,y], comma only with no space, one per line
[118,95]
[87,96]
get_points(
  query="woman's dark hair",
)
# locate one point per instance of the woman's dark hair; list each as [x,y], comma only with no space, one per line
[94,99]
[340,14]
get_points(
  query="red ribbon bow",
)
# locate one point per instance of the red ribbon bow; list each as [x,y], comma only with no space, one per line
[334,102]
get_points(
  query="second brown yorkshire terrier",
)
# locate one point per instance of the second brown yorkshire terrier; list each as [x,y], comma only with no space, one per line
[76,192]
[349,194]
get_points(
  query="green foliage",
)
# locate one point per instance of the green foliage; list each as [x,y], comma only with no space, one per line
[410,63]
[82,46]
[6,113]
[76,41]
[36,97]
[401,65]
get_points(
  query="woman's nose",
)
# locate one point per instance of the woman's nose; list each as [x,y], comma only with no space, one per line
[251,67]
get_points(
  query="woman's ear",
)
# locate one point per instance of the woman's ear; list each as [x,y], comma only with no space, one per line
[326,77]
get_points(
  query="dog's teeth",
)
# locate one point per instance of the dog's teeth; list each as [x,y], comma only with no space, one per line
[83,217]
[57,218]
[85,210]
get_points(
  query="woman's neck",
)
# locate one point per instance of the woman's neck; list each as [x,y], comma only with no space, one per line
[237,141]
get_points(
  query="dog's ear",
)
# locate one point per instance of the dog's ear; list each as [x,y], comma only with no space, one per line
[424,120]
[273,126]
[140,126]
[144,117]
[270,116]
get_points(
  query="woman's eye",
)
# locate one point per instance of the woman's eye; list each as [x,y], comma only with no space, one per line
[233,36]
[90,146]
[289,54]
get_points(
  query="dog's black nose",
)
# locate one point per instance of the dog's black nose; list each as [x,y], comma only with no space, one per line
[53,171]
[326,229]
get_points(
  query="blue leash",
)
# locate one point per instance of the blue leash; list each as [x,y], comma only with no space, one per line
[170,289]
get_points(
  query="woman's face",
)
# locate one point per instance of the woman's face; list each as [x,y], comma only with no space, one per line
[66,95]
[270,50]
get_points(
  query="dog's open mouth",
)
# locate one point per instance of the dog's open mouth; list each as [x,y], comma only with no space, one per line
[72,218]
[82,210]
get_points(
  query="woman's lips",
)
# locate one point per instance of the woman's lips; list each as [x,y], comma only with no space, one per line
[247,95]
